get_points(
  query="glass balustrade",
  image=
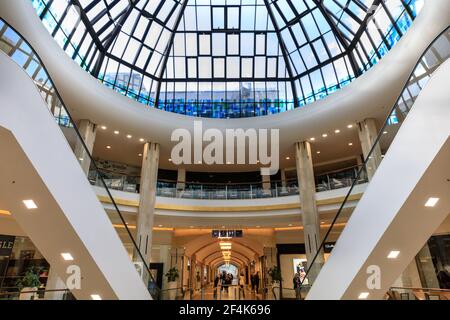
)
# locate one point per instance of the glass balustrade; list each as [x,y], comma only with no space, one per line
[231,191]
[21,52]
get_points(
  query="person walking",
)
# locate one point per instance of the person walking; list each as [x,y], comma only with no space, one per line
[242,285]
[252,282]
[298,285]
[257,282]
[216,283]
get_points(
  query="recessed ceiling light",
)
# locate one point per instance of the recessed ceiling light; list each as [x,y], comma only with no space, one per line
[322,222]
[312,139]
[393,254]
[431,202]
[30,204]
[116,132]
[170,160]
[103,127]
[325,135]
[108,147]
[288,158]
[67,256]
[337,131]
[81,159]
[385,132]
[141,140]
[363,295]
[140,154]
[96,297]
[350,143]
[318,152]
[129,136]
[350,126]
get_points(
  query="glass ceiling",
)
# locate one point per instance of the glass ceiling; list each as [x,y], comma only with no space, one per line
[227,58]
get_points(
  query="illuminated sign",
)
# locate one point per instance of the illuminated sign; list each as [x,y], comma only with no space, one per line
[6,245]
[227,233]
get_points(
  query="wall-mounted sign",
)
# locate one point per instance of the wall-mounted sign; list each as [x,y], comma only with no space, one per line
[6,245]
[227,233]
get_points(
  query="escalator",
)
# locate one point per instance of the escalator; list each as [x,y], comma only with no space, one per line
[408,196]
[46,190]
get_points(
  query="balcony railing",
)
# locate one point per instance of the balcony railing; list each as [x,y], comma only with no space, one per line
[228,191]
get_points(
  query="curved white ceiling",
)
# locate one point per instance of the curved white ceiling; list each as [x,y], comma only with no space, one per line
[371,95]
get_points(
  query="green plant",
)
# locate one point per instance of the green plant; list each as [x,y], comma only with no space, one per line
[172,274]
[30,279]
[275,274]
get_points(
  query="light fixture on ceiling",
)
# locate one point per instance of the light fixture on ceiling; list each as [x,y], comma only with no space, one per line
[290,225]
[318,152]
[363,295]
[141,140]
[81,159]
[67,256]
[288,158]
[170,160]
[140,154]
[103,127]
[129,136]
[160,225]
[96,297]
[431,202]
[337,131]
[30,204]
[108,147]
[325,135]
[116,132]
[393,254]
[350,126]
[350,144]
[312,139]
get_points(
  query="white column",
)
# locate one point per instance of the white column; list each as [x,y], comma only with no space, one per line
[165,257]
[310,215]
[54,282]
[181,179]
[266,183]
[88,132]
[283,180]
[367,132]
[147,199]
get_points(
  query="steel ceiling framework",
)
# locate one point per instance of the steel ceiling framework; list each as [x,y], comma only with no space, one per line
[152,50]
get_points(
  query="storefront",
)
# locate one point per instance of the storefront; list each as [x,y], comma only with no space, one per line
[292,258]
[17,256]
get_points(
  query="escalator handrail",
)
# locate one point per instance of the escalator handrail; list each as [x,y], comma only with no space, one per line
[100,174]
[366,160]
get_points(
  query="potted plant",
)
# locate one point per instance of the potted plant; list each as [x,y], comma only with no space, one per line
[172,276]
[275,274]
[29,284]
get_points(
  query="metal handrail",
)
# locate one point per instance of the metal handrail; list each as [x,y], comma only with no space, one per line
[369,155]
[88,154]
